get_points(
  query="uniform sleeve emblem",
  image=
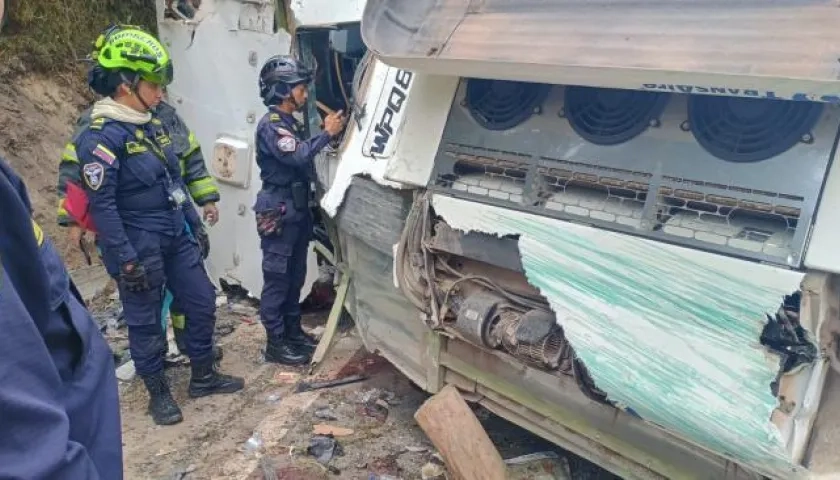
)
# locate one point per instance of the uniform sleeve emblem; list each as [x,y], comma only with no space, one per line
[287,144]
[94,174]
[104,154]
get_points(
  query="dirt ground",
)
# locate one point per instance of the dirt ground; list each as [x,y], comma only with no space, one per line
[267,428]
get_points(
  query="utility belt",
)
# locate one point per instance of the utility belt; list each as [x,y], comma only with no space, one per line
[299,192]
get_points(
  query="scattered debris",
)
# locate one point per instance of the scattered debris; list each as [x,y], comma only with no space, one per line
[538,466]
[317,331]
[273,398]
[324,448]
[225,329]
[245,310]
[126,371]
[309,386]
[432,471]
[248,320]
[413,449]
[183,472]
[386,465]
[286,378]
[374,410]
[325,414]
[162,453]
[253,444]
[330,430]
[235,292]
[221,300]
[456,432]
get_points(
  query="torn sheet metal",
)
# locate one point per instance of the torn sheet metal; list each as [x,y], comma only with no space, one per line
[670,332]
[353,160]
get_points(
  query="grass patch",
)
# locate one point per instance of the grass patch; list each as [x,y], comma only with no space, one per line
[48,36]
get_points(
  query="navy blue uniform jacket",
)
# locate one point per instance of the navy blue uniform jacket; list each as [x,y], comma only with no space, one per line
[59,406]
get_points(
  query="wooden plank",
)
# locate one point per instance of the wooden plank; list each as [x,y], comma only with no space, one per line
[456,433]
[332,322]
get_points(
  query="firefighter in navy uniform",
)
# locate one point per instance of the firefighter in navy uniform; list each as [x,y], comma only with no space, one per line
[59,404]
[284,218]
[201,186]
[140,207]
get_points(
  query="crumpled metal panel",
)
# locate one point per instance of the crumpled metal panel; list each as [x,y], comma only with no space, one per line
[673,333]
[783,48]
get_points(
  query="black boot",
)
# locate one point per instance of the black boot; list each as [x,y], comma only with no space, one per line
[277,350]
[181,343]
[295,335]
[162,406]
[206,380]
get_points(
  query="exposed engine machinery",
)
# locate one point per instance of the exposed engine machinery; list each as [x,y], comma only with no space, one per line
[586,155]
[459,296]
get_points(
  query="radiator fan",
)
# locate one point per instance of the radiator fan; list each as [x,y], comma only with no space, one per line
[502,105]
[607,116]
[745,130]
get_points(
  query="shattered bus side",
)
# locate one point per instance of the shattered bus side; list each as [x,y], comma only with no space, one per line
[641,272]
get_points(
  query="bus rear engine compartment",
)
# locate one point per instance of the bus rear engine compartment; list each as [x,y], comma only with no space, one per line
[737,179]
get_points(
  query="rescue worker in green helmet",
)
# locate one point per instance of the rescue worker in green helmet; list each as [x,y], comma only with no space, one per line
[140,209]
[200,185]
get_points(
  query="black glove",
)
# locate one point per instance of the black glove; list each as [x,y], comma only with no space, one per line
[203,242]
[133,277]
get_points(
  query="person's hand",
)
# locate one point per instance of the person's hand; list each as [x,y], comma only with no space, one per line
[133,277]
[211,213]
[334,123]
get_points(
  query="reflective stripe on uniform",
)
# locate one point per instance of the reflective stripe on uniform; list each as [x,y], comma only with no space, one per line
[62,212]
[202,187]
[39,233]
[179,320]
[69,154]
[194,145]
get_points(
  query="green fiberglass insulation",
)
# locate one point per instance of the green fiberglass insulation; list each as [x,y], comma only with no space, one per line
[667,332]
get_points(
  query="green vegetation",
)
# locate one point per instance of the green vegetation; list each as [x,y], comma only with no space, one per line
[48,36]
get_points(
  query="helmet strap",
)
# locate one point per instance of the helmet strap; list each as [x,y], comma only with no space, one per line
[133,86]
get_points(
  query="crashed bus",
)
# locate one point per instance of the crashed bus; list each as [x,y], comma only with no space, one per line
[607,222]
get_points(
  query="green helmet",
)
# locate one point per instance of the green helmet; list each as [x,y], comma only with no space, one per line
[134,50]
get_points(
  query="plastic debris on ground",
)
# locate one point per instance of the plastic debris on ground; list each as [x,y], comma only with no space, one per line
[126,371]
[432,471]
[324,448]
[253,445]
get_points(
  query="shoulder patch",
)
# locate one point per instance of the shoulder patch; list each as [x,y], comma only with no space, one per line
[284,132]
[97,123]
[273,117]
[287,143]
[94,173]
[101,152]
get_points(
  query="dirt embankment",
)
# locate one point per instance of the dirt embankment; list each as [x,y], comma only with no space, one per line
[43,88]
[36,118]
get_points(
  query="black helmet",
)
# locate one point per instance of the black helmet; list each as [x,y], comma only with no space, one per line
[279,75]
